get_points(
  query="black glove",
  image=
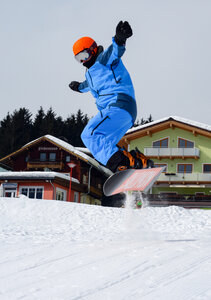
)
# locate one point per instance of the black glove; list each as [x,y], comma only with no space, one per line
[74,86]
[123,32]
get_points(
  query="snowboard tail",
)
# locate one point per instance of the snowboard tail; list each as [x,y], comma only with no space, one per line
[131,180]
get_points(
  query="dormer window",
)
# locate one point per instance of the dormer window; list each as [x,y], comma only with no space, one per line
[160,143]
[183,143]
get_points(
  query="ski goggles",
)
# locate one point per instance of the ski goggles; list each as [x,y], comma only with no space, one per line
[82,56]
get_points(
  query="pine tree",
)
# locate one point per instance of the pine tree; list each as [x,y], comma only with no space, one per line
[74,126]
[143,121]
[49,122]
[15,131]
[150,119]
[59,127]
[38,124]
[81,121]
[6,136]
[22,127]
[70,129]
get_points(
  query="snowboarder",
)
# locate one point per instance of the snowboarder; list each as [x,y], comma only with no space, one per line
[110,83]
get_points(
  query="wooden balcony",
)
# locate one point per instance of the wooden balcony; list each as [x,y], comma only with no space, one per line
[172,153]
[185,178]
[37,164]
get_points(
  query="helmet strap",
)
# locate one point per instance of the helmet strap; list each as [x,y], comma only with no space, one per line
[92,48]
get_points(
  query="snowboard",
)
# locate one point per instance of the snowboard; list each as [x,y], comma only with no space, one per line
[131,180]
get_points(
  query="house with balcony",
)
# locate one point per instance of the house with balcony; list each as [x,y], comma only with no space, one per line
[183,147]
[50,168]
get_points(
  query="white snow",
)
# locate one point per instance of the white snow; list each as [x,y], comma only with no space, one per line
[36,175]
[59,250]
[175,118]
[84,150]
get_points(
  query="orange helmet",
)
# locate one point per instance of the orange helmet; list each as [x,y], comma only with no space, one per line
[85,43]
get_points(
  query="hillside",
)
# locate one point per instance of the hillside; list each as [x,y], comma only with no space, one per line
[57,250]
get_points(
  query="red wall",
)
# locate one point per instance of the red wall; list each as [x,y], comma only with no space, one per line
[48,189]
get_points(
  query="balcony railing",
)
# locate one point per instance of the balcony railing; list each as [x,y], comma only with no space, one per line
[186,177]
[33,164]
[172,152]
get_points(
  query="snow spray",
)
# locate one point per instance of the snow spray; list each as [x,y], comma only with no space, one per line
[135,218]
[132,202]
[135,200]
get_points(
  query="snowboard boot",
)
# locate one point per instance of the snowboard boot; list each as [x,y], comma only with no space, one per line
[123,160]
[141,161]
[120,161]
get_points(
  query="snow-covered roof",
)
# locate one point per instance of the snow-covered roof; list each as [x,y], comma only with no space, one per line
[84,150]
[70,148]
[36,175]
[174,118]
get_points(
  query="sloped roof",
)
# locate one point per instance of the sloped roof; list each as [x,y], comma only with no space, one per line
[67,147]
[173,118]
[186,122]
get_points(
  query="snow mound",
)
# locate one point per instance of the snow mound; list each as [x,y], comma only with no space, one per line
[61,221]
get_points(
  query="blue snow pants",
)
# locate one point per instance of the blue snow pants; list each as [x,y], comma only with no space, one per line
[104,131]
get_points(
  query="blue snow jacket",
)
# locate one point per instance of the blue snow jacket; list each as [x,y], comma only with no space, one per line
[109,81]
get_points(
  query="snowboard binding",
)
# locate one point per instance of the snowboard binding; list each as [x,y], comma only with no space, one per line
[135,160]
[123,160]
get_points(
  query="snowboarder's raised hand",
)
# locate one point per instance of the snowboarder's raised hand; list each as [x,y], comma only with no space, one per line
[123,32]
[74,86]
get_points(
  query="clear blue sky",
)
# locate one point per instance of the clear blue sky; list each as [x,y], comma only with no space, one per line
[168,56]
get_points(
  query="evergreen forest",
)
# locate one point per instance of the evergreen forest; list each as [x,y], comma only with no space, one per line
[20,128]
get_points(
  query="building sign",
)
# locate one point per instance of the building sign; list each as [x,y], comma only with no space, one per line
[47,149]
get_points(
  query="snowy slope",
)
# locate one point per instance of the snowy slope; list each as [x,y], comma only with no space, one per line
[58,250]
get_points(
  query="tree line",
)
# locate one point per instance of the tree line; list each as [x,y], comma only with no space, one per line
[19,128]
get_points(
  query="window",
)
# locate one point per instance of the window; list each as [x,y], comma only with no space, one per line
[61,194]
[184,168]
[83,199]
[39,193]
[10,192]
[85,179]
[52,156]
[9,189]
[162,165]
[182,143]
[42,156]
[32,192]
[76,196]
[161,143]
[68,158]
[24,191]
[207,168]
